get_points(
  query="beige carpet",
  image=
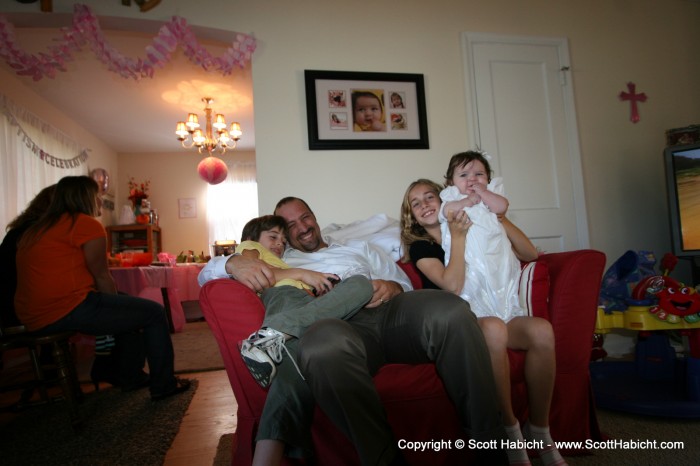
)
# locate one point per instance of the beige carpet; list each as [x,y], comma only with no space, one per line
[647,429]
[196,349]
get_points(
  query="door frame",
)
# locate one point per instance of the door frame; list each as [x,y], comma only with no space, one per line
[469,40]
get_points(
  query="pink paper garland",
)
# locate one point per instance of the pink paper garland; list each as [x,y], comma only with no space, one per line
[86,30]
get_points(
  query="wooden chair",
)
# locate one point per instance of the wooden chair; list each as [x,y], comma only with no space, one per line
[61,364]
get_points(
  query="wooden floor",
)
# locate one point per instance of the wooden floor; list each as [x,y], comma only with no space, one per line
[210,415]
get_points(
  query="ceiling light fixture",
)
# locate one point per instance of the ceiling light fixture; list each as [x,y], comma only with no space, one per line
[214,138]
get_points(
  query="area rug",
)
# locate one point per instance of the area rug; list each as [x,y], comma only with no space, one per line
[118,429]
[196,349]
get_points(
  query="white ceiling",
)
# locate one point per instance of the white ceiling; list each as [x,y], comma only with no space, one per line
[137,116]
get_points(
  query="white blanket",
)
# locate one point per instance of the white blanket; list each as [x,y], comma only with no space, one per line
[379,230]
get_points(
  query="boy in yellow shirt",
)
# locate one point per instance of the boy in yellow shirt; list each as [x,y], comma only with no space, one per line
[299,298]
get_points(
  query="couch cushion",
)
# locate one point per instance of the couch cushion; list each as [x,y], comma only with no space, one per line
[408,382]
[534,288]
[534,285]
[410,269]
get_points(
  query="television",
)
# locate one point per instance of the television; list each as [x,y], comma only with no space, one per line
[682,165]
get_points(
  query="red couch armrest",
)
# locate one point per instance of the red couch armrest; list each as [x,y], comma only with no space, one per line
[233,311]
[575,280]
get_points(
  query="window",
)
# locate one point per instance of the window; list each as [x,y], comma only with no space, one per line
[33,155]
[232,203]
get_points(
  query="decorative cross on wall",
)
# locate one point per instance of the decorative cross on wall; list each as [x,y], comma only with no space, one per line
[633,97]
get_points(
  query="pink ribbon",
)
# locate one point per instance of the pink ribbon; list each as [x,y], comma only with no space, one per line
[86,31]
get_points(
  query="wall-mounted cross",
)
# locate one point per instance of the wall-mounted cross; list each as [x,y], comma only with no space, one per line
[633,97]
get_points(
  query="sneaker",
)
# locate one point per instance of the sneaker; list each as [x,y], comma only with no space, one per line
[261,352]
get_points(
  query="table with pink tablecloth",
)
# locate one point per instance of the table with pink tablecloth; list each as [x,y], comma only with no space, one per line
[186,281]
[165,285]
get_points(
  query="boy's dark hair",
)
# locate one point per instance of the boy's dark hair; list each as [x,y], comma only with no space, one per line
[463,158]
[254,228]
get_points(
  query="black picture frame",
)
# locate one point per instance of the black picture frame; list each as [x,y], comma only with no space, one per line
[329,110]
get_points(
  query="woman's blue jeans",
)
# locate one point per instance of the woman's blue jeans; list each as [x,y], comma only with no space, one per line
[138,325]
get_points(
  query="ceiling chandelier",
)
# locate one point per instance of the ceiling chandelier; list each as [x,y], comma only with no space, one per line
[214,138]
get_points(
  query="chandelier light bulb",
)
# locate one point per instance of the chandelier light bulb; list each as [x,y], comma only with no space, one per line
[192,122]
[219,122]
[213,137]
[198,138]
[224,138]
[236,132]
[181,131]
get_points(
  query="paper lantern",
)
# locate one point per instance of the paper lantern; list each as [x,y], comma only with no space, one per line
[213,170]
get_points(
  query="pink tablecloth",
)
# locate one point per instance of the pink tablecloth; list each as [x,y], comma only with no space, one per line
[186,281]
[148,282]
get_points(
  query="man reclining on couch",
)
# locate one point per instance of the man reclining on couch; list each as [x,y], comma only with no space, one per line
[338,358]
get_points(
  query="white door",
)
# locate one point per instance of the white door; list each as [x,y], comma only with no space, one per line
[522,114]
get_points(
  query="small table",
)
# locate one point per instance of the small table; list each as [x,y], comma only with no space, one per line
[160,284]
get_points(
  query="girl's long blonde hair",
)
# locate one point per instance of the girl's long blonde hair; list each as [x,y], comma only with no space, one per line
[411,231]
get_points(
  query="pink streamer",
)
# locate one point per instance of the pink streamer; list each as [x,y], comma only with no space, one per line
[86,31]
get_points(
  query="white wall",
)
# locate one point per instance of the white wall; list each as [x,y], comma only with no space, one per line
[650,42]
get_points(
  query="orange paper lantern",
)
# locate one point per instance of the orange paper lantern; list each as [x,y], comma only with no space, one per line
[213,170]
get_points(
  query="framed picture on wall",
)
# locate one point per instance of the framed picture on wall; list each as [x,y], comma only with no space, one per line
[358,110]
[187,207]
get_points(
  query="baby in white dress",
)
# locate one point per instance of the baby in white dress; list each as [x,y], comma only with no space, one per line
[492,271]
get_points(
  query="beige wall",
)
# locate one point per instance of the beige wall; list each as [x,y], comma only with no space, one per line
[650,42]
[174,176]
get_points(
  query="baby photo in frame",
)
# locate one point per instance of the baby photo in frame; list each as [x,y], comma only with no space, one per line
[362,110]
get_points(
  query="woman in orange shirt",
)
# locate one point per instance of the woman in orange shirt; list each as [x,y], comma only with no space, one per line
[63,283]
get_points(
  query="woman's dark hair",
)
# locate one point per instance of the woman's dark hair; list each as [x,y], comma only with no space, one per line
[73,195]
[34,210]
[463,158]
[254,228]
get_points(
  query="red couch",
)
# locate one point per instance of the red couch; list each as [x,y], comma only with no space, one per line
[414,397]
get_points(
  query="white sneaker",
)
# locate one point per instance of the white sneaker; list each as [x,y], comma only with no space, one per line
[261,367]
[261,352]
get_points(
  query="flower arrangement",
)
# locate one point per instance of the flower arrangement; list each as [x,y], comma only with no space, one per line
[138,191]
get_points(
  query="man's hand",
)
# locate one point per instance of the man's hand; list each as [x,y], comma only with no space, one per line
[384,290]
[321,283]
[253,273]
